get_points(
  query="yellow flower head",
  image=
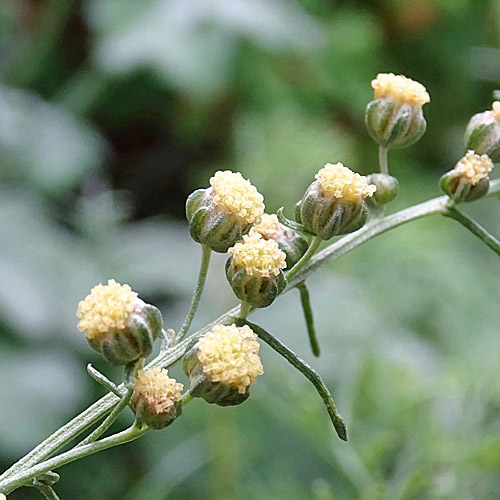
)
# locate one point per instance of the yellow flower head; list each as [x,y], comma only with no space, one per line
[342,183]
[269,227]
[496,110]
[473,167]
[402,89]
[230,355]
[106,308]
[159,390]
[237,196]
[258,256]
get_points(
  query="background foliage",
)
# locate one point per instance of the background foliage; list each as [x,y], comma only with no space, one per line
[112,111]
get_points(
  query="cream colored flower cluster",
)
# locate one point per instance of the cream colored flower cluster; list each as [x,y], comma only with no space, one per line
[403,89]
[495,109]
[258,256]
[269,227]
[159,390]
[230,355]
[340,182]
[235,195]
[473,167]
[106,308]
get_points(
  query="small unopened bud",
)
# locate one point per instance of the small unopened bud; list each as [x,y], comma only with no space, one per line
[288,240]
[223,364]
[254,270]
[156,400]
[483,133]
[220,215]
[387,189]
[469,180]
[334,203]
[394,118]
[118,324]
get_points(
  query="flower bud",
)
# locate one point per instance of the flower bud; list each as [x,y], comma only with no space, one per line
[220,215]
[334,203]
[483,133]
[156,400]
[223,364]
[118,324]
[469,180]
[254,270]
[289,241]
[387,189]
[394,118]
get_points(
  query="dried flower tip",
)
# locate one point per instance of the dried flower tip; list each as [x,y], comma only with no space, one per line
[236,195]
[159,391]
[107,307]
[269,227]
[342,183]
[496,110]
[230,355]
[258,256]
[473,167]
[401,88]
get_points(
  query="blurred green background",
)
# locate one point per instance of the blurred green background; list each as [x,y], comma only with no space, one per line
[112,111]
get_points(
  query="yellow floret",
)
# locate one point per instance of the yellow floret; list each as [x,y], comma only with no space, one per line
[496,110]
[235,195]
[401,88]
[159,390]
[342,183]
[473,167]
[269,227]
[258,256]
[230,355]
[106,308]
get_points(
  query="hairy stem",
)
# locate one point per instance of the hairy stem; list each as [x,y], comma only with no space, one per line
[46,490]
[305,299]
[475,228]
[202,277]
[313,246]
[103,380]
[306,370]
[383,160]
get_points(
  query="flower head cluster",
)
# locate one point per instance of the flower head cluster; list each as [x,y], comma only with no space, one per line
[473,167]
[235,195]
[401,88]
[269,227]
[258,256]
[340,182]
[106,308]
[230,355]
[159,391]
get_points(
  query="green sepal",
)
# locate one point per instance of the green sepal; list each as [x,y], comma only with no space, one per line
[482,135]
[459,190]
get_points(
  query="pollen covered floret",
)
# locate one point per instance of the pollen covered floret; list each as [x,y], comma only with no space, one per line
[230,355]
[269,227]
[106,308]
[236,195]
[401,88]
[473,167]
[158,390]
[495,109]
[340,182]
[259,257]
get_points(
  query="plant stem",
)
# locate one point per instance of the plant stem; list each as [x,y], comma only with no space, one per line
[202,277]
[306,370]
[46,490]
[475,228]
[109,421]
[313,246]
[101,408]
[104,381]
[245,309]
[382,159]
[25,476]
[308,315]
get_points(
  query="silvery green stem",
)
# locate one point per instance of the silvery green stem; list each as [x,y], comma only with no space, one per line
[313,246]
[305,300]
[103,380]
[46,490]
[382,159]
